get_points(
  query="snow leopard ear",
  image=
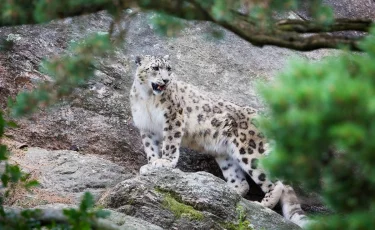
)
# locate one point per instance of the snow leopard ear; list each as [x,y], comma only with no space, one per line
[138,60]
[166,57]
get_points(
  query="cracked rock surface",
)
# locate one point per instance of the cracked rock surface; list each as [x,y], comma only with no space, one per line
[69,174]
[173,199]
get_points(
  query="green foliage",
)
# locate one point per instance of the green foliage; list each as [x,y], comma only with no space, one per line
[286,4]
[84,217]
[10,173]
[322,121]
[242,223]
[322,13]
[2,124]
[220,8]
[167,25]
[26,219]
[13,174]
[15,9]
[46,10]
[39,11]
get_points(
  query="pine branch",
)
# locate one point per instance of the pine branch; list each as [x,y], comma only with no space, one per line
[50,216]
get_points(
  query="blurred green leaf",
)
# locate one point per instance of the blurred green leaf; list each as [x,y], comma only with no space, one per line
[102,214]
[322,119]
[84,217]
[3,153]
[32,183]
[11,124]
[166,25]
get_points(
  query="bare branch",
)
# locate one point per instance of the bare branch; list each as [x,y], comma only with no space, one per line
[340,24]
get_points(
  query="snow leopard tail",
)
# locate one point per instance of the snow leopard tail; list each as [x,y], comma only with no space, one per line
[292,208]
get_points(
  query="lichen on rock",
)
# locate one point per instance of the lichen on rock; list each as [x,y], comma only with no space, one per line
[174,203]
[171,199]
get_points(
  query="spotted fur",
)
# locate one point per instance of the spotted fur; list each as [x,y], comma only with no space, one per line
[180,115]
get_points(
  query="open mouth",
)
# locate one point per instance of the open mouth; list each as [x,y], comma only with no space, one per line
[158,88]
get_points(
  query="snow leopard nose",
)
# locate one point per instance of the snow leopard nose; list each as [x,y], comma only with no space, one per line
[165,81]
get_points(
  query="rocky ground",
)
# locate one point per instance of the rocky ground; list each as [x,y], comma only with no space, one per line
[88,143]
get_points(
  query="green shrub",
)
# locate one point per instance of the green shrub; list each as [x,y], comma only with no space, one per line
[322,119]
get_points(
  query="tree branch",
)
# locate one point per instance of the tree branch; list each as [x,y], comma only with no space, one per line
[178,8]
[274,36]
[340,24]
[295,41]
[284,33]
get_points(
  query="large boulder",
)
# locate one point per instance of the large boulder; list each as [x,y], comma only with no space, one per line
[168,199]
[173,199]
[63,176]
[115,220]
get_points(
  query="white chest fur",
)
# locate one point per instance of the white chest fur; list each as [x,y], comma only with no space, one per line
[146,116]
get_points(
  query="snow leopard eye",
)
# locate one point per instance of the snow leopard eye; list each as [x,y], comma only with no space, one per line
[156,68]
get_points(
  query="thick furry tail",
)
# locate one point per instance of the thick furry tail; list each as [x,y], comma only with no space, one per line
[292,208]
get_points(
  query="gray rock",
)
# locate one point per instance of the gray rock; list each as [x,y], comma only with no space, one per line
[173,199]
[70,173]
[350,8]
[130,222]
[117,219]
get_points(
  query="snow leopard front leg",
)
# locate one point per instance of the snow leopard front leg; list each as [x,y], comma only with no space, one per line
[172,136]
[150,143]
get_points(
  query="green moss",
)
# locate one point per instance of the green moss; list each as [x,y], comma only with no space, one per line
[242,223]
[174,203]
[163,191]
